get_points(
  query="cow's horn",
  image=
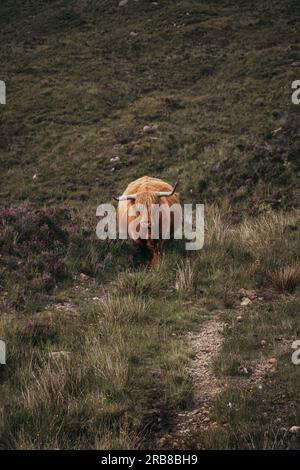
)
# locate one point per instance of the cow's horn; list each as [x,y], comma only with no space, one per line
[168,193]
[128,197]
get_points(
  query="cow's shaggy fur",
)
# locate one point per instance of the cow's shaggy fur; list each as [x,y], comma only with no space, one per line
[145,189]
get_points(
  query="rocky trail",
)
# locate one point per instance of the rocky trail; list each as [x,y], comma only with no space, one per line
[205,344]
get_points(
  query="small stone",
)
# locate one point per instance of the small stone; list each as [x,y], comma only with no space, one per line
[149,129]
[115,159]
[251,294]
[84,277]
[123,3]
[133,34]
[243,370]
[239,318]
[60,355]
[273,360]
[246,301]
[294,429]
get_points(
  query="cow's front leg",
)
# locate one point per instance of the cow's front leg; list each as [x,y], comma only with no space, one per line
[155,254]
[154,249]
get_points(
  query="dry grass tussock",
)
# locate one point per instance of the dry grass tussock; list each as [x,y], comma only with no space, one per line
[286,279]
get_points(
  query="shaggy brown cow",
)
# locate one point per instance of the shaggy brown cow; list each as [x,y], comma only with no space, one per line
[147,191]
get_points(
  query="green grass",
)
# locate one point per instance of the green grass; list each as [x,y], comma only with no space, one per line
[125,372]
[215,77]
[257,416]
[125,360]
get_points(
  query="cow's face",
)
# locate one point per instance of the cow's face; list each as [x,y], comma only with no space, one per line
[146,200]
[143,203]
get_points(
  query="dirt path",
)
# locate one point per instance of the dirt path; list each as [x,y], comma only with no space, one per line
[206,344]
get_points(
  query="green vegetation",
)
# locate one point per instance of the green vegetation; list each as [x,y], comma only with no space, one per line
[259,415]
[215,76]
[96,349]
[100,375]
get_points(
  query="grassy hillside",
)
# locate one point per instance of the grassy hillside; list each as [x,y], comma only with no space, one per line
[96,349]
[84,78]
